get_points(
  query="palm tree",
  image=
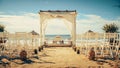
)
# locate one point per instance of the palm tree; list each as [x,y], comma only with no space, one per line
[1,28]
[110,28]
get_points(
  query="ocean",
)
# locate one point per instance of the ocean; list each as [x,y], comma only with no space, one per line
[49,38]
[64,37]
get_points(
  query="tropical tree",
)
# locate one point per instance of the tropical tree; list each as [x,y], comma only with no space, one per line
[110,28]
[2,28]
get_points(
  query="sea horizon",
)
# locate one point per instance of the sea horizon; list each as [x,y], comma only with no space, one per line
[52,36]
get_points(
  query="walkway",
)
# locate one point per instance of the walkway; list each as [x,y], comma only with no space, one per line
[60,57]
[65,57]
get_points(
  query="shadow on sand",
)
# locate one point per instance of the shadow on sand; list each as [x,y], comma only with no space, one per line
[29,61]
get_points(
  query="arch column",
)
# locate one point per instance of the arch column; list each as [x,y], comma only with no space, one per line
[74,32]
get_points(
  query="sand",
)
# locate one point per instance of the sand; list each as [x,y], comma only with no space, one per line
[58,57]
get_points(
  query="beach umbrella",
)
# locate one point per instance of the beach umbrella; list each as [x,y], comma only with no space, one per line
[91,34]
[34,33]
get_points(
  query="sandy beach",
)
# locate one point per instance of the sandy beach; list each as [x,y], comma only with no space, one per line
[58,57]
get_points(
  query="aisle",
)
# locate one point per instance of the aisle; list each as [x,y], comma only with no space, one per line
[59,57]
[66,57]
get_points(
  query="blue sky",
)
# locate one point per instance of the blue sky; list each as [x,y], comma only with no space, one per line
[92,14]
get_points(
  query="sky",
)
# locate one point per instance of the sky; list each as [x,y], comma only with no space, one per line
[22,15]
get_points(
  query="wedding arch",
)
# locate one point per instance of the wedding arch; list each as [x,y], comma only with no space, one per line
[69,15]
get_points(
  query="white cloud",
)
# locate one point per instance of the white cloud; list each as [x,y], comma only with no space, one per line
[31,21]
[57,26]
[20,23]
[93,22]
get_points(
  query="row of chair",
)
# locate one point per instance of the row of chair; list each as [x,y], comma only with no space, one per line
[104,44]
[15,43]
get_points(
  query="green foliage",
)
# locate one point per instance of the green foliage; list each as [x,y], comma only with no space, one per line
[1,28]
[110,28]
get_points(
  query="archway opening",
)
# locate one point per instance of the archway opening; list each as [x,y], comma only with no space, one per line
[58,27]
